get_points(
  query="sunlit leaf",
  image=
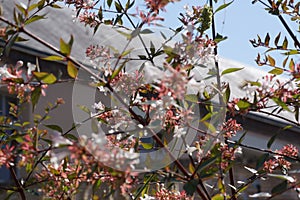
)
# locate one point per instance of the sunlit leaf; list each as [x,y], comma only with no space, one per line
[117,71]
[271,61]
[276,71]
[243,104]
[65,48]
[219,197]
[53,58]
[222,7]
[34,18]
[230,70]
[45,77]
[292,65]
[281,104]
[191,98]
[285,43]
[147,145]
[219,38]
[283,177]
[72,70]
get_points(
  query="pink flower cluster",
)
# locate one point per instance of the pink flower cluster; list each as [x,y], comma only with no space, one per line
[230,128]
[7,156]
[163,193]
[278,161]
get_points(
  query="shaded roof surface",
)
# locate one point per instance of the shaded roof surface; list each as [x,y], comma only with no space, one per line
[60,24]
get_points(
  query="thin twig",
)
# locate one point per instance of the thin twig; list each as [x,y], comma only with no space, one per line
[263,150]
[286,26]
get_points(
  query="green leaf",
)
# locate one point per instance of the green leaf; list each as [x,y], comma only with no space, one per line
[117,71]
[219,197]
[9,44]
[271,61]
[94,124]
[21,39]
[45,77]
[243,104]
[71,137]
[53,58]
[21,8]
[227,94]
[219,38]
[152,48]
[285,43]
[285,61]
[55,6]
[125,53]
[283,177]
[118,7]
[72,70]
[84,109]
[292,65]
[146,31]
[281,104]
[35,95]
[230,70]
[135,33]
[292,52]
[277,39]
[41,3]
[190,187]
[34,18]
[54,127]
[267,40]
[141,191]
[280,187]
[147,145]
[191,98]
[65,48]
[271,140]
[127,35]
[276,71]
[223,6]
[109,2]
[261,160]
[207,163]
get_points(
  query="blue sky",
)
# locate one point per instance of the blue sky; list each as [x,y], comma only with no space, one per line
[241,21]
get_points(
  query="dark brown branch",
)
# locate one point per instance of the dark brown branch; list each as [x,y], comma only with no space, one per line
[19,186]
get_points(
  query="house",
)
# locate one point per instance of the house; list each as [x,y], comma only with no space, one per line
[59,24]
